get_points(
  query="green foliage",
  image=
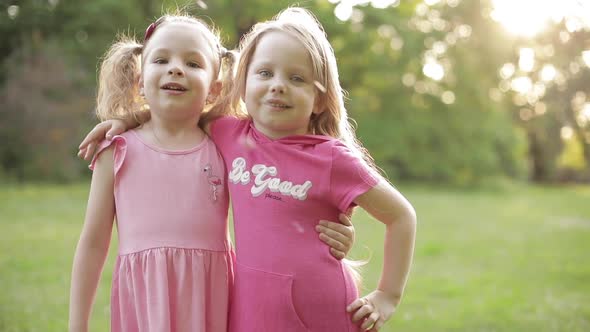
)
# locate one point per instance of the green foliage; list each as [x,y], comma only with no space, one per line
[410,131]
[417,128]
[48,80]
[572,155]
[45,102]
[440,144]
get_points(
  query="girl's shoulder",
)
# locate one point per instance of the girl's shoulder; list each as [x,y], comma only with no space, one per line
[230,119]
[337,146]
[225,125]
[116,147]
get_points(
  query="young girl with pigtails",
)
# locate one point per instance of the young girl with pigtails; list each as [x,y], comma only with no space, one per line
[165,183]
[292,158]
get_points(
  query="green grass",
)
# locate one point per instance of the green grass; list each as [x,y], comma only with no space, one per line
[515,259]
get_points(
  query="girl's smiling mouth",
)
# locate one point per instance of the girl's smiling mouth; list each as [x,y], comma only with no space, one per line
[173,87]
[277,104]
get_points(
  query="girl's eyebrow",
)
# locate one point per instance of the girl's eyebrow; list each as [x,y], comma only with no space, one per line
[261,63]
[190,53]
[292,67]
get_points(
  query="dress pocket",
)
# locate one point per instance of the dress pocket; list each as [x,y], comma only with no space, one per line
[262,301]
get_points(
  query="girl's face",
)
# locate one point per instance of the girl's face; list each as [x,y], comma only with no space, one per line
[280,92]
[177,71]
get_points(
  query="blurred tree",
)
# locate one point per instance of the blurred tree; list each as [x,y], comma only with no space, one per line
[436,85]
[453,60]
[44,105]
[83,29]
[547,79]
[48,56]
[421,96]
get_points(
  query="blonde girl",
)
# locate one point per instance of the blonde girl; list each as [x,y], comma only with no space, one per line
[292,158]
[164,184]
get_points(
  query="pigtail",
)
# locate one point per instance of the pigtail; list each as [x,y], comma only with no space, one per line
[223,106]
[118,84]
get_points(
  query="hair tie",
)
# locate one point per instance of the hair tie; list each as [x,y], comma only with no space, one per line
[223,52]
[149,31]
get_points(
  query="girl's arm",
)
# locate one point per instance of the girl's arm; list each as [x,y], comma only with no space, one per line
[388,206]
[107,129]
[94,242]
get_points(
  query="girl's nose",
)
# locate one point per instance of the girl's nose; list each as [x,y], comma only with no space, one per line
[175,71]
[277,87]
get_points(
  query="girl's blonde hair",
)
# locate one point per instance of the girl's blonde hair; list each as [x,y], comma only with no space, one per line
[118,94]
[332,119]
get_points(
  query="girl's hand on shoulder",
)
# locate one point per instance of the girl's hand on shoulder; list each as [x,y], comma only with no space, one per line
[339,236]
[373,310]
[106,129]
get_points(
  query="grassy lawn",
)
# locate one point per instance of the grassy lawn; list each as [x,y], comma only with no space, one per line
[515,259]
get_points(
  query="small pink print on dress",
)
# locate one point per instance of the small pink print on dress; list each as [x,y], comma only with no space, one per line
[213,180]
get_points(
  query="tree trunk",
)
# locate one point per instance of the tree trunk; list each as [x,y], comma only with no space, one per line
[539,169]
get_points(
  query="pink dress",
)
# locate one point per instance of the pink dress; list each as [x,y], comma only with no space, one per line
[174,266]
[286,279]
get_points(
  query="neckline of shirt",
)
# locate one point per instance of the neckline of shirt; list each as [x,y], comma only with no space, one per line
[261,138]
[167,151]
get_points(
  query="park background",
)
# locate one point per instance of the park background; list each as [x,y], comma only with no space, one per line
[477,110]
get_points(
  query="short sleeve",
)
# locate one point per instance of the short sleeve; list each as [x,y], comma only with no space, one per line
[221,127]
[350,177]
[120,145]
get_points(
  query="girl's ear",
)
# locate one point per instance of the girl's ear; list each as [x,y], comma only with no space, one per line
[243,92]
[320,98]
[140,85]
[215,88]
[317,110]
[214,91]
[318,105]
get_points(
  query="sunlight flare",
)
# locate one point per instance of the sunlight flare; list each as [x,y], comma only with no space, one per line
[548,73]
[567,133]
[522,84]
[586,57]
[530,17]
[526,60]
[433,70]
[584,115]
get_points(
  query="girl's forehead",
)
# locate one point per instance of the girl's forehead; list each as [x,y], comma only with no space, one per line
[279,47]
[273,43]
[181,35]
[275,35]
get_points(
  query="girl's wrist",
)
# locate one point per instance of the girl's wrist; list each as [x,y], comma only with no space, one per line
[78,327]
[395,296]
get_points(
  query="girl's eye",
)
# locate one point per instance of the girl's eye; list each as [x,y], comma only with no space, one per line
[298,79]
[194,65]
[160,61]
[265,73]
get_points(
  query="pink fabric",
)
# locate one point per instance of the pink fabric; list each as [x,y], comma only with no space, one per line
[174,270]
[286,279]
